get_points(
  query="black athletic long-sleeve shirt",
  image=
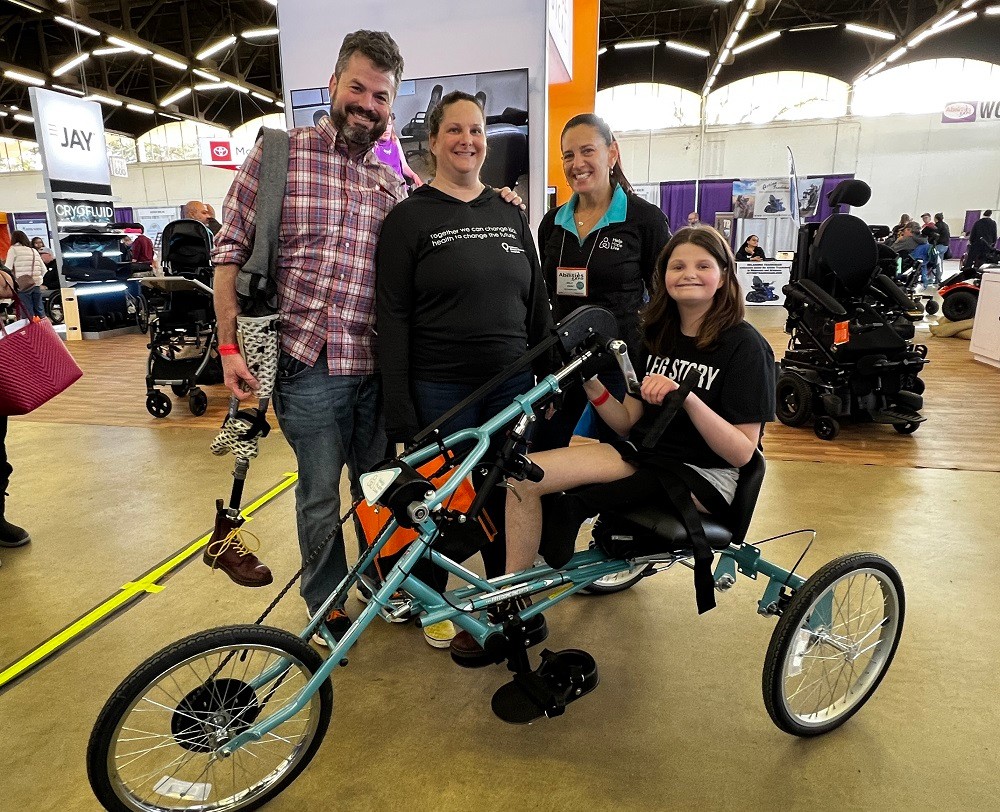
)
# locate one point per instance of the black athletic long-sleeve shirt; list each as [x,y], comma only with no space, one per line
[459,295]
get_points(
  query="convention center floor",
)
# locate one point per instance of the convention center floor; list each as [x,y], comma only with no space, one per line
[677,722]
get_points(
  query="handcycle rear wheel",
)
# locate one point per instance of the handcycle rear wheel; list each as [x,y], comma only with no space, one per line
[618,582]
[154,744]
[833,644]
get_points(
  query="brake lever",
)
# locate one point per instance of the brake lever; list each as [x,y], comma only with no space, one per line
[620,350]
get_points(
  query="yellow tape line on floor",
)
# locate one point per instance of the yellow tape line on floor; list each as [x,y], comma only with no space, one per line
[146,584]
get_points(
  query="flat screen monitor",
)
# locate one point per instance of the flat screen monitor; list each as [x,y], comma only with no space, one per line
[504,95]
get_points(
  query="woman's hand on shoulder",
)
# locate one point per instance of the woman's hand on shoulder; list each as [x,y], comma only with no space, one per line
[656,387]
[508,195]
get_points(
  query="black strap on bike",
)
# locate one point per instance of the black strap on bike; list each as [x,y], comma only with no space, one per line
[672,404]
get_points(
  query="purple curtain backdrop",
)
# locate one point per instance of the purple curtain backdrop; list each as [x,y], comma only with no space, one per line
[124,215]
[677,199]
[970,218]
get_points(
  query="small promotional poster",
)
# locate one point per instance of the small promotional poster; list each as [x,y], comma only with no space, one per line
[761,282]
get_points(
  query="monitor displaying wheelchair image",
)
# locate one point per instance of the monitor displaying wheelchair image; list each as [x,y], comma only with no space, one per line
[504,95]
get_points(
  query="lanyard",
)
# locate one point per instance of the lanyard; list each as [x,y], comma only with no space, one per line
[589,256]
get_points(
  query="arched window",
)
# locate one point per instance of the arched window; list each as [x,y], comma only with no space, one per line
[647,106]
[248,131]
[779,96]
[19,156]
[925,86]
[175,141]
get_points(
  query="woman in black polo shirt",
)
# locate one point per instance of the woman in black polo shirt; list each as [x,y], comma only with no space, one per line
[599,248]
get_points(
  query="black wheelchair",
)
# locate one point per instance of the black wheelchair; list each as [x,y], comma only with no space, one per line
[851,352]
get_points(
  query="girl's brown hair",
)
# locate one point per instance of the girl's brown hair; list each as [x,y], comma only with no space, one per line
[661,321]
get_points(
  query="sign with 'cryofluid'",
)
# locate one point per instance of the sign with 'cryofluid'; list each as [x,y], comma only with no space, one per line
[70,133]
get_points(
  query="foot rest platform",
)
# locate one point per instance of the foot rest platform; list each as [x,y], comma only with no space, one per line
[563,677]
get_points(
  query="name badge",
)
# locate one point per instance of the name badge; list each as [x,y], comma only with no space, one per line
[571,281]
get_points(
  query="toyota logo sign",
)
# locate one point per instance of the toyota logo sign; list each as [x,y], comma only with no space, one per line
[220,150]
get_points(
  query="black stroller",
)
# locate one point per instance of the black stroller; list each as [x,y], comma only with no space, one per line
[851,352]
[183,343]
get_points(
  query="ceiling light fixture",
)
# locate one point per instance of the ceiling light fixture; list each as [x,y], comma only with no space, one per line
[868,31]
[64,89]
[97,97]
[815,27]
[732,40]
[204,74]
[114,49]
[205,86]
[78,26]
[602,51]
[683,47]
[969,4]
[897,54]
[951,15]
[26,78]
[280,103]
[176,96]
[636,43]
[968,17]
[24,118]
[260,96]
[130,46]
[741,21]
[173,63]
[138,108]
[71,63]
[216,47]
[238,87]
[991,11]
[27,6]
[746,46]
[259,33]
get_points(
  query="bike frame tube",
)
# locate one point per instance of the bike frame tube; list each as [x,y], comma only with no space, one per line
[465,605]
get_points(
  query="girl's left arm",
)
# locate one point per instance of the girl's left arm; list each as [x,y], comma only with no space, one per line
[734,443]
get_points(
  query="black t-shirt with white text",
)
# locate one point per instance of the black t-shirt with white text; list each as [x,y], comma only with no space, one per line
[736,381]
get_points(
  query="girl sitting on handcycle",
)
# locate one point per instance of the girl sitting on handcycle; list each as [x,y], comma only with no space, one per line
[694,322]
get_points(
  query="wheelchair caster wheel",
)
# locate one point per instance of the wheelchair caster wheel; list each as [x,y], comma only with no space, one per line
[826,428]
[906,428]
[931,308]
[179,389]
[197,402]
[158,404]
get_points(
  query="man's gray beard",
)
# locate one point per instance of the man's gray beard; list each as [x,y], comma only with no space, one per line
[355,135]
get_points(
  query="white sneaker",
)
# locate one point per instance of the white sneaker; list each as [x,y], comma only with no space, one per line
[440,635]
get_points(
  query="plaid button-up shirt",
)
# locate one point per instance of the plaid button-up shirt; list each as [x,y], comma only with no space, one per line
[330,221]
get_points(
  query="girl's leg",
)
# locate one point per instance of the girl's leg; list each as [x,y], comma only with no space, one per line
[564,468]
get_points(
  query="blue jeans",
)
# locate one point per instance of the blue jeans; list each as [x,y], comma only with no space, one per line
[31,301]
[941,250]
[432,399]
[330,421]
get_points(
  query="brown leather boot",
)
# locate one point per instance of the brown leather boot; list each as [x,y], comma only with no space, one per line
[226,552]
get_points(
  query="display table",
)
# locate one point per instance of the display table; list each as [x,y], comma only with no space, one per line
[985,344]
[761,282]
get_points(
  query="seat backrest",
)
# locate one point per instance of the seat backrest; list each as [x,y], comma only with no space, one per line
[844,250]
[745,500]
[506,155]
[186,247]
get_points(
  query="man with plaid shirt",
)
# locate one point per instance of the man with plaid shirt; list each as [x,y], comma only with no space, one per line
[327,393]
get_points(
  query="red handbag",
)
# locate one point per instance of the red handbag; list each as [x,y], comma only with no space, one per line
[35,365]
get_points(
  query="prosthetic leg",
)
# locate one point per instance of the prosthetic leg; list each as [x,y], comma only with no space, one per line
[227,550]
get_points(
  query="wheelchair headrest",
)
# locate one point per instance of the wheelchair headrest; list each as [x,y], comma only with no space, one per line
[850,193]
[845,249]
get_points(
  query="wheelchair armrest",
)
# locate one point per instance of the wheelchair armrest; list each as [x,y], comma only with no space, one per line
[807,290]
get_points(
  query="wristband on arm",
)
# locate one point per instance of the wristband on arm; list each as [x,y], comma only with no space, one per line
[602,398]
[229,349]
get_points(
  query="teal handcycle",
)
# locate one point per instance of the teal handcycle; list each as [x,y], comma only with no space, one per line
[227,718]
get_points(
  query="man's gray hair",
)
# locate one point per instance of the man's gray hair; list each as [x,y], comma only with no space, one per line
[378,46]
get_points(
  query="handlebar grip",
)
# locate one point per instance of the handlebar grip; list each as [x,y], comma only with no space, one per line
[533,472]
[483,492]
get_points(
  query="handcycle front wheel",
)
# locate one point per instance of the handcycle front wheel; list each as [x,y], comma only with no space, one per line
[155,743]
[833,644]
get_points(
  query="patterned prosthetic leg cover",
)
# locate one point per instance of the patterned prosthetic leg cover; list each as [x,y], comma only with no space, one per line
[258,337]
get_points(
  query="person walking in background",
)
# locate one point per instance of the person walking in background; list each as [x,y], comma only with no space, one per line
[454,310]
[28,270]
[943,243]
[10,534]
[982,239]
[599,248]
